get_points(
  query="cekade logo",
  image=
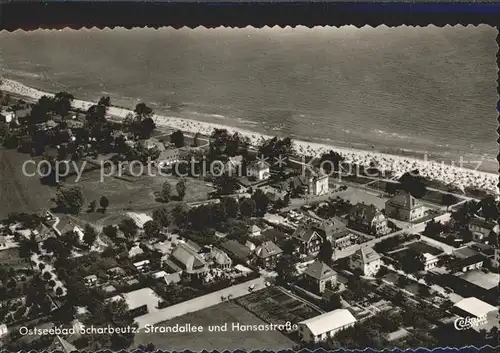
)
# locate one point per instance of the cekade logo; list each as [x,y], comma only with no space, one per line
[465,323]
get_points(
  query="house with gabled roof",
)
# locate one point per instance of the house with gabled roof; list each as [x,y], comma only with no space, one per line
[367,260]
[259,170]
[267,254]
[185,258]
[318,275]
[368,219]
[404,207]
[311,235]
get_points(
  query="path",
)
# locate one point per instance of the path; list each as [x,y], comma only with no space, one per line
[199,303]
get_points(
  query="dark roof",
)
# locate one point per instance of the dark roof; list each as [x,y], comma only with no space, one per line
[471,260]
[483,223]
[236,249]
[319,270]
[334,229]
[404,200]
[363,211]
[267,249]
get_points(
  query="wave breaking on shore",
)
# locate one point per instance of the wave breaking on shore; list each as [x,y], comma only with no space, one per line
[457,176]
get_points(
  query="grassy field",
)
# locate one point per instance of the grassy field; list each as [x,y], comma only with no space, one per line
[131,194]
[217,315]
[272,305]
[19,192]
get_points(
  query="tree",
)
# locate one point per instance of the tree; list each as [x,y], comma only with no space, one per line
[489,208]
[331,161]
[325,252]
[448,200]
[433,228]
[196,139]
[128,227]
[143,111]
[177,138]
[391,188]
[423,290]
[261,202]
[335,302]
[110,231]
[285,267]
[62,103]
[105,101]
[151,228]
[47,275]
[231,206]
[166,192]
[89,235]
[226,184]
[70,200]
[92,206]
[181,189]
[180,215]
[161,216]
[413,183]
[247,207]
[104,203]
[96,114]
[59,291]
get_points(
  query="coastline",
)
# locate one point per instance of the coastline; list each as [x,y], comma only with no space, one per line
[448,174]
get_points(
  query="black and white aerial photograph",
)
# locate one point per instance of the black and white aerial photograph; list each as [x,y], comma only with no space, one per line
[253,189]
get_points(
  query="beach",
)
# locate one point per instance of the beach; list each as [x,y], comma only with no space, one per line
[449,174]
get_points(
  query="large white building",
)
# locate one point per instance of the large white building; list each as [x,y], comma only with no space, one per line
[322,327]
[366,260]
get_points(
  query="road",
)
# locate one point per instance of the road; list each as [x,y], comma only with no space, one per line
[199,303]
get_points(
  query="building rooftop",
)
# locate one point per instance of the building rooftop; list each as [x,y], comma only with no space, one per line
[139,218]
[475,307]
[367,255]
[267,249]
[319,270]
[486,281]
[404,200]
[464,253]
[140,297]
[364,211]
[237,249]
[423,248]
[479,222]
[254,229]
[187,256]
[329,321]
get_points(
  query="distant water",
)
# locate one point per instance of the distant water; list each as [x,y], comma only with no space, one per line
[424,90]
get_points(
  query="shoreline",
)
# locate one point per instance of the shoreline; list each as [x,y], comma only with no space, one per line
[460,177]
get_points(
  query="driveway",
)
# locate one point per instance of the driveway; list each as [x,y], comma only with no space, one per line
[199,303]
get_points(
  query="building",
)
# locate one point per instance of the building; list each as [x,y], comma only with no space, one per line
[3,330]
[474,283]
[367,260]
[316,182]
[368,219]
[267,254]
[322,327]
[254,231]
[220,259]
[142,266]
[237,250]
[429,261]
[311,236]
[470,263]
[495,261]
[259,170]
[91,280]
[185,258]
[319,275]
[168,157]
[139,219]
[474,307]
[59,344]
[3,241]
[141,301]
[7,116]
[404,207]
[116,272]
[481,229]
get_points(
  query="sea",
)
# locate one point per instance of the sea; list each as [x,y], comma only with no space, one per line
[426,92]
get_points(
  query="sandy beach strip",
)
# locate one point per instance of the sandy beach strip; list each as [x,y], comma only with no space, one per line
[448,174]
